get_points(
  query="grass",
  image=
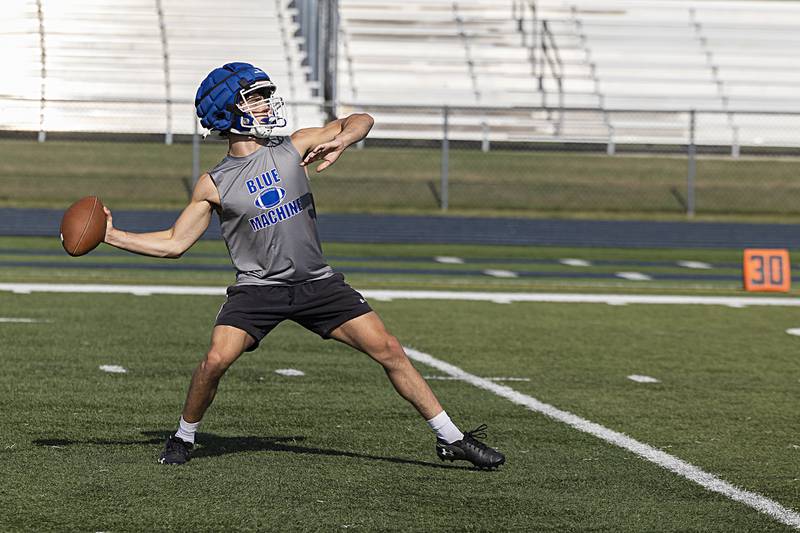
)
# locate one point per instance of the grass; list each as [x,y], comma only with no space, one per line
[406,180]
[337,449]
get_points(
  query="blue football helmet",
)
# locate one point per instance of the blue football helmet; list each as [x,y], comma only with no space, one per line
[239,98]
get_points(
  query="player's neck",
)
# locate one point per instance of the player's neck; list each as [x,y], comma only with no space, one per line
[242,145]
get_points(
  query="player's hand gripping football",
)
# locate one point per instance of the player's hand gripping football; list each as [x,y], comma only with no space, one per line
[328,152]
[109,223]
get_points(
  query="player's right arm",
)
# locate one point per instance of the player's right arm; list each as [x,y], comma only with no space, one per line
[173,242]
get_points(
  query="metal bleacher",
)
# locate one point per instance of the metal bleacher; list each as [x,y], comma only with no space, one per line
[466,54]
[133,66]
[633,69]
[706,56]
[600,71]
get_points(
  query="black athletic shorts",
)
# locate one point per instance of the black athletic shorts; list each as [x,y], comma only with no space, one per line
[320,306]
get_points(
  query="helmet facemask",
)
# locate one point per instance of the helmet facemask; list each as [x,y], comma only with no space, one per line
[258,111]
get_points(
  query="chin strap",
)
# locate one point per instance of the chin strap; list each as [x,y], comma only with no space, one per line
[252,132]
[262,131]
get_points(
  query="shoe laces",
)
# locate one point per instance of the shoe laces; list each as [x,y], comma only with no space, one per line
[176,444]
[478,433]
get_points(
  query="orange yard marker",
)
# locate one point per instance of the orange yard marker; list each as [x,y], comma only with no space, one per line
[766,270]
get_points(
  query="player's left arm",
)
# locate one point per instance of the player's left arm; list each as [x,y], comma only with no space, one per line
[328,142]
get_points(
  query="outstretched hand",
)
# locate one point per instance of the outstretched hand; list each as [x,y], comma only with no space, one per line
[328,152]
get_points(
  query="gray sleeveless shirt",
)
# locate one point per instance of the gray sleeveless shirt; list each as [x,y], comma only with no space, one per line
[268,218]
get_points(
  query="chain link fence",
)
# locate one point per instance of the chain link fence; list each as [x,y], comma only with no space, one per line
[475,161]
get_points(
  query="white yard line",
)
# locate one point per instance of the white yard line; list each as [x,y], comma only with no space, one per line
[633,276]
[12,320]
[291,372]
[447,260]
[638,378]
[389,295]
[145,290]
[612,299]
[695,264]
[575,262]
[113,369]
[452,378]
[663,459]
[501,273]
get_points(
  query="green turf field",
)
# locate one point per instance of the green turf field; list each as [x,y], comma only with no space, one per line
[337,449]
[406,180]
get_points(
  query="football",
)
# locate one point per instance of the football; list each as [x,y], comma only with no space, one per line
[83,226]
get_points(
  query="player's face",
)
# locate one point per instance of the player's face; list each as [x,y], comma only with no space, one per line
[258,105]
[256,101]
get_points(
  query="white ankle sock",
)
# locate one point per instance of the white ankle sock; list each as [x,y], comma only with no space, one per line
[444,428]
[186,430]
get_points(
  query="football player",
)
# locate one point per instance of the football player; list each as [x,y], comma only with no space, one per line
[261,193]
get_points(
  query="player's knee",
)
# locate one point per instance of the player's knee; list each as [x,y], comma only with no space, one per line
[391,353]
[216,362]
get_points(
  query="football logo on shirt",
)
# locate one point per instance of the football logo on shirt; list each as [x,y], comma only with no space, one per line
[265,185]
[270,197]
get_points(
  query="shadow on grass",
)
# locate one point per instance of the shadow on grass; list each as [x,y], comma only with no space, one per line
[215,445]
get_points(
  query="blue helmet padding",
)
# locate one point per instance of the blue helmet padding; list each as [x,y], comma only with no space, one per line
[216,97]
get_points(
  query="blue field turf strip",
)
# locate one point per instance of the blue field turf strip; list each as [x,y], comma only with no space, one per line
[368,270]
[400,259]
[365,228]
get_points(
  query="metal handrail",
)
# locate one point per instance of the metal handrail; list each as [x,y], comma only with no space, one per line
[534,28]
[519,12]
[720,84]
[550,56]
[593,70]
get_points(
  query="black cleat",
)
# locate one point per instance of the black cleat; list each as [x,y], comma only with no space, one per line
[471,449]
[176,451]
